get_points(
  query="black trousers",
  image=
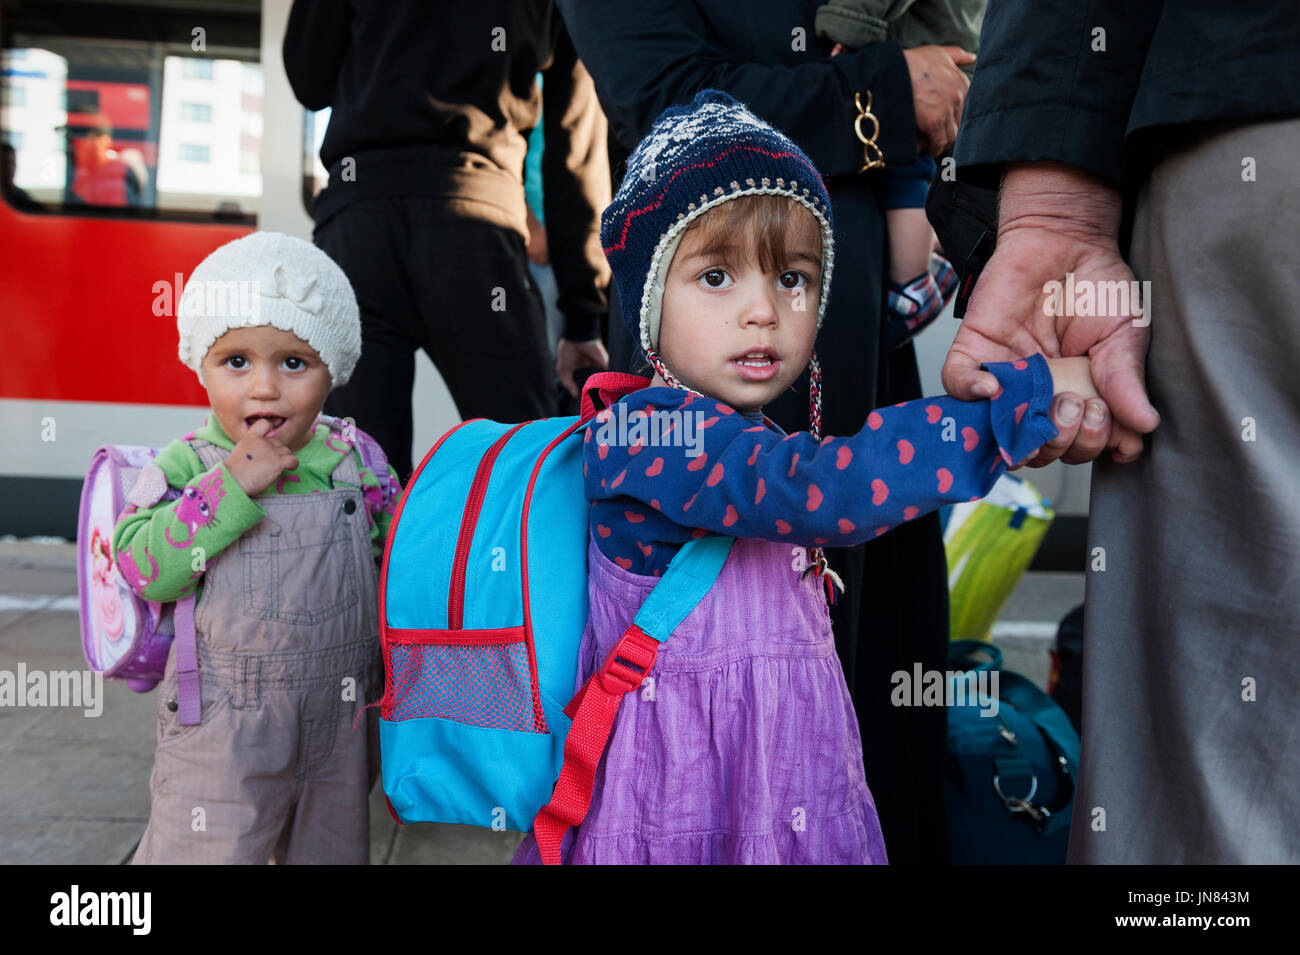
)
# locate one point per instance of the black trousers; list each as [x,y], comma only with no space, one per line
[429,275]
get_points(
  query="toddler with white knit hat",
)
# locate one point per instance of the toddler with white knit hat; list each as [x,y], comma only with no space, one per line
[274,518]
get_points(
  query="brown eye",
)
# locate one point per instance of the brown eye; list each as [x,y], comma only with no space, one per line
[791,279]
[711,274]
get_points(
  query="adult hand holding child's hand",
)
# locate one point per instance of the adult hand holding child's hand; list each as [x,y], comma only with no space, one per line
[1060,225]
[258,460]
[1075,395]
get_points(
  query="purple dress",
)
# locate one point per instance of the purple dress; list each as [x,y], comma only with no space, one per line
[745,748]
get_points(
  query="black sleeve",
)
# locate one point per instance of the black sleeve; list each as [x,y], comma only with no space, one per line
[646,57]
[575,189]
[315,40]
[1055,80]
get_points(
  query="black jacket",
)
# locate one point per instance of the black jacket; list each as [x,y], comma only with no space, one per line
[1111,87]
[1045,89]
[649,56]
[435,97]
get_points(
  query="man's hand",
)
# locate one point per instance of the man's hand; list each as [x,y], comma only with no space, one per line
[257,461]
[1054,221]
[938,93]
[570,356]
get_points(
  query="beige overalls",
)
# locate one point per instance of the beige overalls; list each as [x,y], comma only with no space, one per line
[288,647]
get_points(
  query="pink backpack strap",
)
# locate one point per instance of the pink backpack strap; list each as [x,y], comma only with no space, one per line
[188,695]
[372,455]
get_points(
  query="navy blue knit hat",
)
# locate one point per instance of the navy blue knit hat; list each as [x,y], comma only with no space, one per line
[697,157]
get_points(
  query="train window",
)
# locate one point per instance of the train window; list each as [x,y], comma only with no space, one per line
[143,110]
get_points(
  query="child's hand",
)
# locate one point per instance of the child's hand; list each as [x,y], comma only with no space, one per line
[1073,376]
[257,461]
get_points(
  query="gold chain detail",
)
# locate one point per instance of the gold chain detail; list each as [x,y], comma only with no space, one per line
[872,155]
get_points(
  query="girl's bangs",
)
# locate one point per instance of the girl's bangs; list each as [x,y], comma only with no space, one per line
[751,229]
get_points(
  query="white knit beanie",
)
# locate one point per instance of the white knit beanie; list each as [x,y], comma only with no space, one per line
[271,279]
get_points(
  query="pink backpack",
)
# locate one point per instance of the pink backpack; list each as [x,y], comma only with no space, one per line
[123,635]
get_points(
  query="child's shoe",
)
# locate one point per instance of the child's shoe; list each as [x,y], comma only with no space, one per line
[911,307]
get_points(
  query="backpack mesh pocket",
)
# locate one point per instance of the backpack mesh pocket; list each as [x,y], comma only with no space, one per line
[478,684]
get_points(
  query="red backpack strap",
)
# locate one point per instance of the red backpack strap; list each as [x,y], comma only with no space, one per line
[689,577]
[604,388]
[592,711]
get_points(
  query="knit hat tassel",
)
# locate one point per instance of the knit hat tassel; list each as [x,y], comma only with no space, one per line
[816,556]
[830,579]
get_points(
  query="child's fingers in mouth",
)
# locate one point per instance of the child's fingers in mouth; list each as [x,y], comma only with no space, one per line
[276,421]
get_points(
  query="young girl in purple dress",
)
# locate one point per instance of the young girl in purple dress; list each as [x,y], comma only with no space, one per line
[744,747]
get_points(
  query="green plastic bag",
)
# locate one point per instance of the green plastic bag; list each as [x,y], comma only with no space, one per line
[989,543]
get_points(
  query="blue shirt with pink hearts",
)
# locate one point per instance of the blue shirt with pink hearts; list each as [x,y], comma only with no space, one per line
[741,475]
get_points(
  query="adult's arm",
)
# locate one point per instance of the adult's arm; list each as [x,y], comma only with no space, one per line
[315,40]
[1056,80]
[1059,224]
[1051,96]
[576,187]
[646,57]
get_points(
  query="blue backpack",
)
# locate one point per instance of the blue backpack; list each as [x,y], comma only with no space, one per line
[483,603]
